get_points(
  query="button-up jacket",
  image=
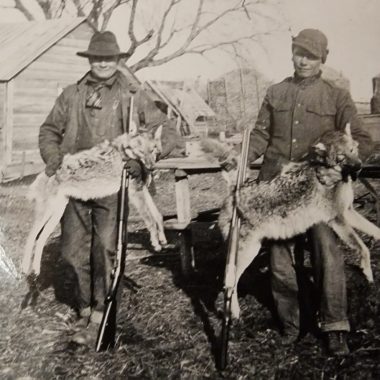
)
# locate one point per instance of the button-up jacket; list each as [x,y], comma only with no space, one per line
[71,127]
[294,114]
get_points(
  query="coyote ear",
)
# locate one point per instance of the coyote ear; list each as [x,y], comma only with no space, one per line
[158,133]
[132,128]
[347,129]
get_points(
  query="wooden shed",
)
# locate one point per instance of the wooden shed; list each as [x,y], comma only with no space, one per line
[37,60]
[193,114]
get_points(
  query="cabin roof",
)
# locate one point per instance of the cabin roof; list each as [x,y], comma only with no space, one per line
[184,99]
[22,42]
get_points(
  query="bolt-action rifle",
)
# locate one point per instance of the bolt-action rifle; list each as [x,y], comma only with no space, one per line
[232,252]
[107,329]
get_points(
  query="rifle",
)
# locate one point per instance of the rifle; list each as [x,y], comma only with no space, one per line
[107,329]
[233,245]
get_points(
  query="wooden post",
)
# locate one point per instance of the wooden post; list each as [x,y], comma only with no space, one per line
[8,122]
[182,196]
[184,217]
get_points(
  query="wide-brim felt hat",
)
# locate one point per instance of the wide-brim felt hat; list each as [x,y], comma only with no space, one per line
[103,44]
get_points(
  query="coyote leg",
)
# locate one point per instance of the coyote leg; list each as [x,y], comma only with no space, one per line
[156,215]
[56,215]
[352,239]
[357,221]
[137,198]
[39,225]
[248,251]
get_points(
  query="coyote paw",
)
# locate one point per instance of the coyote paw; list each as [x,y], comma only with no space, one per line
[156,246]
[365,266]
[368,274]
[235,308]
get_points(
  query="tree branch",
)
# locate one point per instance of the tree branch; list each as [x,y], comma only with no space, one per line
[79,7]
[134,42]
[156,49]
[25,11]
[195,30]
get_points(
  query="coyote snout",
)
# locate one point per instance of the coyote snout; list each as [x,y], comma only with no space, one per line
[91,174]
[340,152]
[296,200]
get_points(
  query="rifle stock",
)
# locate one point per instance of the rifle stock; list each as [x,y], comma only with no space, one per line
[233,246]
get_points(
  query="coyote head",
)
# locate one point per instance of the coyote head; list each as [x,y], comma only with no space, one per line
[337,149]
[145,146]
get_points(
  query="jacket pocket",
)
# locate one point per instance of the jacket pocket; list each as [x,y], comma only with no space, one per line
[281,105]
[281,118]
[322,109]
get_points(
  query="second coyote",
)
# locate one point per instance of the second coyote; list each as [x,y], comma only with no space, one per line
[296,200]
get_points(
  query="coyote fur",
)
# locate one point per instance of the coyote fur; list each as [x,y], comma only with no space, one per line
[296,200]
[91,174]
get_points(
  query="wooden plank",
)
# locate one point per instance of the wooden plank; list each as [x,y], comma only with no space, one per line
[35,99]
[371,123]
[54,71]
[42,108]
[8,122]
[28,120]
[54,74]
[60,66]
[74,42]
[37,92]
[74,61]
[2,130]
[31,154]
[187,164]
[182,196]
[15,171]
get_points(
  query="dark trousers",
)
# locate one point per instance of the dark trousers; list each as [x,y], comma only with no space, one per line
[329,279]
[89,231]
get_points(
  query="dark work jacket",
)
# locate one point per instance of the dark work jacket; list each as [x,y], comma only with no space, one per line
[63,129]
[295,114]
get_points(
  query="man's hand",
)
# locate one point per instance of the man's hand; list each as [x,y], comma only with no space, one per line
[53,165]
[134,168]
[229,163]
[328,176]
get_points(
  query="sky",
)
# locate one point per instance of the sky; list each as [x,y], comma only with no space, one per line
[352,27]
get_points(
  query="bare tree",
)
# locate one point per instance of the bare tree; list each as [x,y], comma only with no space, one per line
[171,38]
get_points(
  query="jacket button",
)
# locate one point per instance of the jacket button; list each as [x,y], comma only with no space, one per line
[296,122]
[294,140]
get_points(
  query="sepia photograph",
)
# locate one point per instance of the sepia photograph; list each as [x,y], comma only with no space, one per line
[189,189]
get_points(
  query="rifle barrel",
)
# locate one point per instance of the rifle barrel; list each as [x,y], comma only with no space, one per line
[233,242]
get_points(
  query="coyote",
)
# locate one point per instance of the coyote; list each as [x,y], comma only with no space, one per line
[91,174]
[296,200]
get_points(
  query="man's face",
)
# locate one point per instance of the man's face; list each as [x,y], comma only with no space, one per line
[305,64]
[103,67]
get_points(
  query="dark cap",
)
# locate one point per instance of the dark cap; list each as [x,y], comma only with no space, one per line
[103,44]
[314,41]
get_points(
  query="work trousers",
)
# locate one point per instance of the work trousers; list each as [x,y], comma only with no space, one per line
[329,281]
[89,232]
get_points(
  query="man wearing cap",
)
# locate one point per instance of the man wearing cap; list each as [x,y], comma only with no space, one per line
[293,115]
[86,113]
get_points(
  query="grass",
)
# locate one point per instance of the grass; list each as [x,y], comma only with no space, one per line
[168,327]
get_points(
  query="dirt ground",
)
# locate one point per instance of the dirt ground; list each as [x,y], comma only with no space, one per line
[168,326]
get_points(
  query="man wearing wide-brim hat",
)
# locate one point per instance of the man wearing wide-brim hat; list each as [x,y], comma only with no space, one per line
[294,115]
[94,109]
